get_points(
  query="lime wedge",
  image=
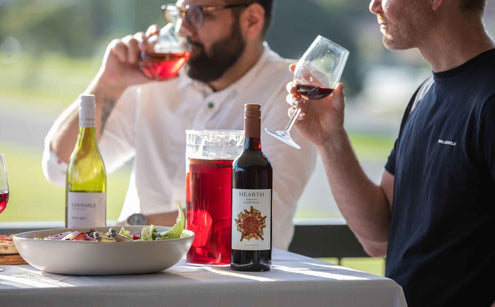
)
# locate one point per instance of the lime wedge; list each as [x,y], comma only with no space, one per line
[176,231]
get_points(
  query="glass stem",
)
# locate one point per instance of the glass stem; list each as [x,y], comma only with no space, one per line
[293,120]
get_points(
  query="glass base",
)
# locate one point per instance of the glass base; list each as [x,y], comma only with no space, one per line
[284,136]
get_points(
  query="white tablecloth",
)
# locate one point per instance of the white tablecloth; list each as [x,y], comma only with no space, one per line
[294,280]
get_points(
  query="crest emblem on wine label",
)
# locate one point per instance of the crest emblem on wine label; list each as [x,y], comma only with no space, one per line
[251,224]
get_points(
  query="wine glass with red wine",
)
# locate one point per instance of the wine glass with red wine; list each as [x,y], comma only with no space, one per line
[167,52]
[316,74]
[4,185]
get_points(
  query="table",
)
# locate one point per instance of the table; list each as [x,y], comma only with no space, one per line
[294,280]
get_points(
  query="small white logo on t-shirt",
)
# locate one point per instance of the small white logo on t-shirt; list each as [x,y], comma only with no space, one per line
[444,142]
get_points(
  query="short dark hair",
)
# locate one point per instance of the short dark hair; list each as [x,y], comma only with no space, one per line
[473,5]
[266,4]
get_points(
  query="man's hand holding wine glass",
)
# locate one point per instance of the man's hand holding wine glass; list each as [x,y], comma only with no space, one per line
[320,119]
[316,75]
[120,67]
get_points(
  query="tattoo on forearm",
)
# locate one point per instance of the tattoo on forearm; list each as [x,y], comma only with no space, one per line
[108,104]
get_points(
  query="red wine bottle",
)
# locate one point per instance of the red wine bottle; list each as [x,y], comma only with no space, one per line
[251,200]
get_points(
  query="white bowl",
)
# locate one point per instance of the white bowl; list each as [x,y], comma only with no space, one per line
[101,258]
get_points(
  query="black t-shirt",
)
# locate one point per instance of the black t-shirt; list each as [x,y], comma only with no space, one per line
[441,247]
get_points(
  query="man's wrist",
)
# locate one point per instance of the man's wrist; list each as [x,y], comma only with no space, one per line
[104,85]
[333,140]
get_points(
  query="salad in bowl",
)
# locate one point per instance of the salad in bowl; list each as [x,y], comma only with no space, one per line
[104,250]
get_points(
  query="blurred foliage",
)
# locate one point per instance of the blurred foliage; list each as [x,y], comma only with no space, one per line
[74,27]
[297,22]
[82,28]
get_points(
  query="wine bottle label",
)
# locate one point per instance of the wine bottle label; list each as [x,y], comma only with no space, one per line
[86,209]
[251,219]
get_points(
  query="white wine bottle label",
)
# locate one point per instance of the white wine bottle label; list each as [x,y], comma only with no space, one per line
[86,209]
[251,218]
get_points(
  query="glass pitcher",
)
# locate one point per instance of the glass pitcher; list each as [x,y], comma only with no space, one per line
[209,156]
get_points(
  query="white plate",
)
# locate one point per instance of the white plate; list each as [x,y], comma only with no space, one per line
[100,258]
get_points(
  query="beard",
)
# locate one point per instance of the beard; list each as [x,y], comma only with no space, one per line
[207,67]
[410,28]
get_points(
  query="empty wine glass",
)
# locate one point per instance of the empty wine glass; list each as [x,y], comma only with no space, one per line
[315,76]
[4,185]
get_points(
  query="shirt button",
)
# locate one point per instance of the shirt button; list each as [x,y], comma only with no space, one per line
[210,105]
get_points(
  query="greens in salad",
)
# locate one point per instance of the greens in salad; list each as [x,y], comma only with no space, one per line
[148,233]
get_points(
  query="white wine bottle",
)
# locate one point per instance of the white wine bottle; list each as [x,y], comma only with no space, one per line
[86,176]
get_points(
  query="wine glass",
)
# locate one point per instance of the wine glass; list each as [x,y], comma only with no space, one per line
[4,188]
[4,185]
[167,51]
[316,74]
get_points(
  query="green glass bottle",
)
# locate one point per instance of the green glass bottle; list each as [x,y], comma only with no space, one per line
[86,176]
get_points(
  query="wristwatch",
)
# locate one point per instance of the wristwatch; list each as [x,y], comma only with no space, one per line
[137,219]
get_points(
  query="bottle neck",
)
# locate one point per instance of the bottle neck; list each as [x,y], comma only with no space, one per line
[252,127]
[87,122]
[252,143]
[87,131]
[87,134]
[87,116]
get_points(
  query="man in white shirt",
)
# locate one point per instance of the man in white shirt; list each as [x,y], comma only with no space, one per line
[230,65]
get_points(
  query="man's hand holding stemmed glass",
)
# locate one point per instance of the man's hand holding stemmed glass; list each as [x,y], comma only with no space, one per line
[320,120]
[365,206]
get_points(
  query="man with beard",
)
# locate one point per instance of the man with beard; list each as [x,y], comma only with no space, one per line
[230,65]
[433,214]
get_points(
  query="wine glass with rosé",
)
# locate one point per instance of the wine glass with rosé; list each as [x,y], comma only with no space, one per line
[4,185]
[316,74]
[166,52]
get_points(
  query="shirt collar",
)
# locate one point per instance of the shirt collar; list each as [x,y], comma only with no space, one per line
[237,86]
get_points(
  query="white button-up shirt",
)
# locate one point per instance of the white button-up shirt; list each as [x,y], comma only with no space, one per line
[148,124]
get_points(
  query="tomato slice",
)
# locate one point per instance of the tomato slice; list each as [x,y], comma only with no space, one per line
[79,237]
[5,238]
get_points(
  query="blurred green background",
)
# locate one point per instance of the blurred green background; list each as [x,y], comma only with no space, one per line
[51,49]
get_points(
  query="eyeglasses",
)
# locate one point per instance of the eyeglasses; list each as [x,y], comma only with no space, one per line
[195,13]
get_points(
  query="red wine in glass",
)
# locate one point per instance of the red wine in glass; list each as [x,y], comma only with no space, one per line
[313,92]
[4,199]
[161,66]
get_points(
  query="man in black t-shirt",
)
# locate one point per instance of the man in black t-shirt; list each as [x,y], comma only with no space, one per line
[433,213]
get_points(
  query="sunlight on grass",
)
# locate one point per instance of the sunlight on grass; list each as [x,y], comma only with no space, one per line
[46,82]
[371,147]
[33,198]
[374,266]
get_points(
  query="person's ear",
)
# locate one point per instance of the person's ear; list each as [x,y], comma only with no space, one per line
[436,4]
[252,21]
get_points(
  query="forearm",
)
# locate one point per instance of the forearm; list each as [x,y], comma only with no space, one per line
[362,203]
[65,135]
